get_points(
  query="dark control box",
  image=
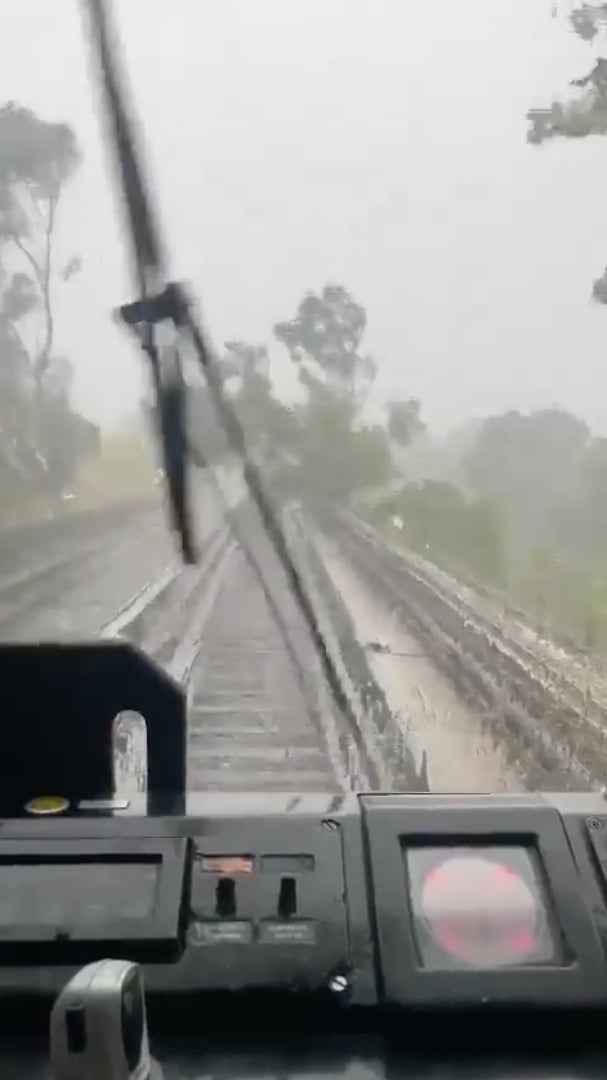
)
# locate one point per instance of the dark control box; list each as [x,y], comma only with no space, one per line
[81,897]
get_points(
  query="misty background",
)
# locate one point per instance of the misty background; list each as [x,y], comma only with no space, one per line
[380,145]
[391,216]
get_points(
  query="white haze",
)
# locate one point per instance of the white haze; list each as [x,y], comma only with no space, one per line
[377,143]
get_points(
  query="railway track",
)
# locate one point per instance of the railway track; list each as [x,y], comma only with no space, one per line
[259,710]
[21,546]
[228,630]
[250,725]
[64,578]
[260,714]
[532,718]
[257,721]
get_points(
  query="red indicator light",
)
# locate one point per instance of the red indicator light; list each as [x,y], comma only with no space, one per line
[523,941]
[480,911]
[227,865]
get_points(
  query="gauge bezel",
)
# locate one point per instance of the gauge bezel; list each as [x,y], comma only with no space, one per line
[393,823]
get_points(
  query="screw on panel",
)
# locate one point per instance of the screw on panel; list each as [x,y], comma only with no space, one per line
[338,984]
[595,823]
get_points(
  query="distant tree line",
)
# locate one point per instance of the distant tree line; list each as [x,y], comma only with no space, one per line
[531,517]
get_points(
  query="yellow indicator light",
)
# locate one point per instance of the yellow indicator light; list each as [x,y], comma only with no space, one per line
[47,804]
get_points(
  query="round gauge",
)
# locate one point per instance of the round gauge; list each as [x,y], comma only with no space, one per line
[480,911]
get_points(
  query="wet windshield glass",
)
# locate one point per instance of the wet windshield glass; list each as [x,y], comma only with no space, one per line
[390,216]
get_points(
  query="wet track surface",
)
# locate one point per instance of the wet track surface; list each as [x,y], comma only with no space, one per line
[433,717]
[67,581]
[76,596]
[260,717]
[250,724]
[260,714]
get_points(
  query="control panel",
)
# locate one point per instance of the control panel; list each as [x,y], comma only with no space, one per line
[403,900]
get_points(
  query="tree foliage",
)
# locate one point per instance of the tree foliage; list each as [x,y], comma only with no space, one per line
[404,421]
[577,520]
[522,459]
[268,423]
[322,447]
[587,20]
[36,160]
[338,453]
[324,340]
[549,475]
[467,534]
[533,515]
[584,111]
[582,115]
[41,438]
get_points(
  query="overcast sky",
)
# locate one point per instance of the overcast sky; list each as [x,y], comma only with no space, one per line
[376,143]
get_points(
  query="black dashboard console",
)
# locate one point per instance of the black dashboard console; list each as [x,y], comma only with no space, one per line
[402,901]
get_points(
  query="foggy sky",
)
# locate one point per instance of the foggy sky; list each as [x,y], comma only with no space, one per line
[376,143]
